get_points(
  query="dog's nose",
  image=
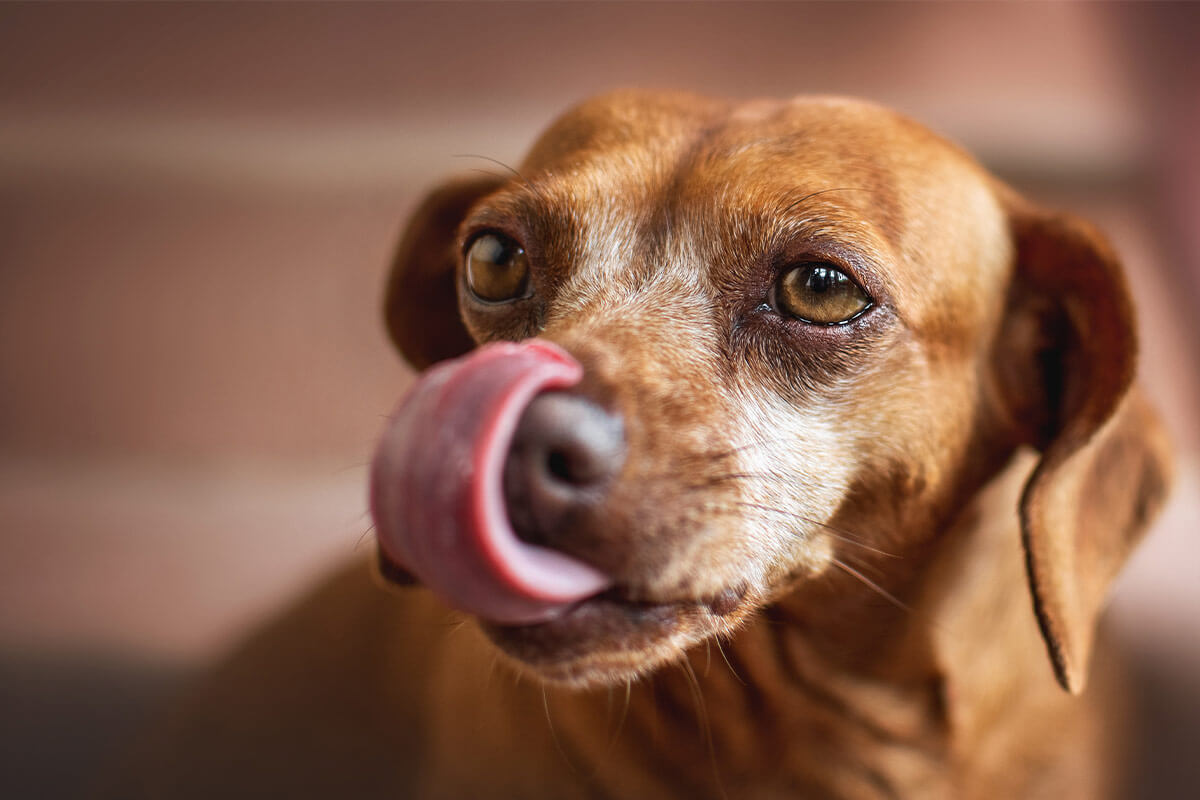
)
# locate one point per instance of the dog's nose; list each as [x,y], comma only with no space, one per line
[564,454]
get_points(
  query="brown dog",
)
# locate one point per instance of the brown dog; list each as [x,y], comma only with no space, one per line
[815,406]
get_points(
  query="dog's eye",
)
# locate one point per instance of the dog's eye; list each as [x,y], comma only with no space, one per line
[820,294]
[497,269]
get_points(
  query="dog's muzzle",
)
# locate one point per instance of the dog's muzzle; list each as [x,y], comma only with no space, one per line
[474,438]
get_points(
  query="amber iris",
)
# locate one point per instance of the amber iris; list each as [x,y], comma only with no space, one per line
[497,269]
[820,294]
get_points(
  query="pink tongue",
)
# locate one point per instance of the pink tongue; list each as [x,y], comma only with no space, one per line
[436,486]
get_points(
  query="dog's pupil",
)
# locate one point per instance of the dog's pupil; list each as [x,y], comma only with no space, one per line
[558,463]
[821,280]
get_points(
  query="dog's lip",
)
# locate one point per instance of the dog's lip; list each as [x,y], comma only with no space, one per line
[719,604]
[611,633]
[632,603]
[392,571]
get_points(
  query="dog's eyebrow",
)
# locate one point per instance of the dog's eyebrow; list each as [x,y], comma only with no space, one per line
[524,197]
[828,223]
[522,201]
[786,209]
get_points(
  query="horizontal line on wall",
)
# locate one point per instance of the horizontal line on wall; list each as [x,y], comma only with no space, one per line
[322,155]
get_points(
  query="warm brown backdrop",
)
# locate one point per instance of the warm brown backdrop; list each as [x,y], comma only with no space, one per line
[197,204]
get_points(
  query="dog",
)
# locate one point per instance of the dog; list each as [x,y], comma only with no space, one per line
[767,449]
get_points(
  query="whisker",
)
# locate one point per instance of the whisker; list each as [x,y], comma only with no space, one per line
[624,713]
[358,542]
[774,477]
[495,161]
[718,455]
[702,717]
[518,676]
[871,584]
[811,195]
[697,695]
[554,733]
[781,477]
[357,465]
[713,480]
[835,532]
[491,173]
[725,658]
[487,682]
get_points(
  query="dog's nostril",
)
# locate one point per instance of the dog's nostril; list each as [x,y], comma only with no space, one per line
[565,451]
[587,458]
[558,464]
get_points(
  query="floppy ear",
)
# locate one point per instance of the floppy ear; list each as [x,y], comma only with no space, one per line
[1069,351]
[421,302]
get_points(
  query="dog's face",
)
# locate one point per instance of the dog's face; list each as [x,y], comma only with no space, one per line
[802,319]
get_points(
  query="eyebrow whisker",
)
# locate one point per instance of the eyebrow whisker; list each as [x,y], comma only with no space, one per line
[495,161]
[811,195]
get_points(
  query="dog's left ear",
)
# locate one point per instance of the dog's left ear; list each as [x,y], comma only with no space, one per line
[421,302]
[1067,355]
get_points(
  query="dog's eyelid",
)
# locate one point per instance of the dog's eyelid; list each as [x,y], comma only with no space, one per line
[516,212]
[842,259]
[856,254]
[475,229]
[796,250]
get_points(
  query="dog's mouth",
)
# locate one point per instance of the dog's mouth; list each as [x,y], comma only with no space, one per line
[611,637]
[436,493]
[440,516]
[608,637]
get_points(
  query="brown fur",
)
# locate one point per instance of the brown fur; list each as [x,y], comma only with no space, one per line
[825,538]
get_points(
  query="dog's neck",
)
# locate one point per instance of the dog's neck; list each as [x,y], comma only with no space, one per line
[921,705]
[913,701]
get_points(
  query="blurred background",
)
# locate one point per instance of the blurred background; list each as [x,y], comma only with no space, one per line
[197,207]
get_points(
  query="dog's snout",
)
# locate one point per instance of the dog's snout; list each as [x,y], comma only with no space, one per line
[564,454]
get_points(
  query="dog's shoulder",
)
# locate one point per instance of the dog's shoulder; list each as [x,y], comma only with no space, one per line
[305,707]
[353,682]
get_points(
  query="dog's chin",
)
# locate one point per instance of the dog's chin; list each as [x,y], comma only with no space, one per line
[607,640]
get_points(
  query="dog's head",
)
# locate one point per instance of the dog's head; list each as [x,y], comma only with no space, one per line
[772,341]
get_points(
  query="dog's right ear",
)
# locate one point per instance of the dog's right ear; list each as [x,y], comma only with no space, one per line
[1068,352]
[421,301]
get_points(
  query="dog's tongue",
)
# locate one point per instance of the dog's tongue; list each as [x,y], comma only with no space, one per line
[436,486]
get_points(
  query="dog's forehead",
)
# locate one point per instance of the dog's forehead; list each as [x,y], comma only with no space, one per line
[642,175]
[648,142]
